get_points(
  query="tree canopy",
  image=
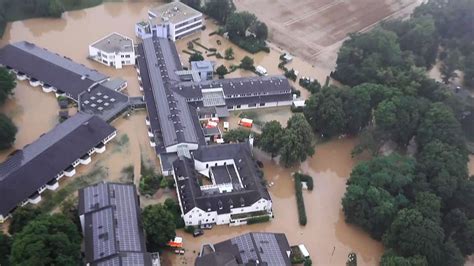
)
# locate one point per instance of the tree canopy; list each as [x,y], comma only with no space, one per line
[47,240]
[5,249]
[219,10]
[7,84]
[297,141]
[21,217]
[196,57]
[7,132]
[159,225]
[271,138]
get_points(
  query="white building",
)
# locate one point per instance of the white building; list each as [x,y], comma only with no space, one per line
[235,191]
[114,50]
[172,21]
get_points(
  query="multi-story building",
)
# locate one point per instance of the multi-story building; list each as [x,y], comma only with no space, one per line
[204,68]
[40,165]
[172,21]
[115,50]
[111,224]
[247,249]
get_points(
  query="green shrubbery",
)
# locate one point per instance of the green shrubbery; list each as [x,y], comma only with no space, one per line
[306,178]
[300,201]
[150,181]
[258,219]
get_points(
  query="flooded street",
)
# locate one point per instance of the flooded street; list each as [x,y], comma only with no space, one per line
[328,238]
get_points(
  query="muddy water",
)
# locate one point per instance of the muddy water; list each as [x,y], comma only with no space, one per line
[328,238]
[471,165]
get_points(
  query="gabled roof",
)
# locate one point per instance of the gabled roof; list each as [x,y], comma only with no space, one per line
[113,232]
[51,68]
[22,174]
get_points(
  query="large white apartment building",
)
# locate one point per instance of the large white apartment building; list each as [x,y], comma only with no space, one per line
[172,21]
[114,50]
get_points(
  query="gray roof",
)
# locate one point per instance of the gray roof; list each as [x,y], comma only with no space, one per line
[202,66]
[189,188]
[22,174]
[173,114]
[114,43]
[113,233]
[103,102]
[173,12]
[269,249]
[51,68]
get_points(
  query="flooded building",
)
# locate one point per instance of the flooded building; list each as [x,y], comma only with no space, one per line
[173,21]
[111,224]
[94,92]
[115,50]
[237,191]
[247,249]
[175,106]
[41,164]
[204,68]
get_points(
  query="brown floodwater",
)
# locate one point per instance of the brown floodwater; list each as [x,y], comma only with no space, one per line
[326,235]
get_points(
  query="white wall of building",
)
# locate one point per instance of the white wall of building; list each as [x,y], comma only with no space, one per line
[117,60]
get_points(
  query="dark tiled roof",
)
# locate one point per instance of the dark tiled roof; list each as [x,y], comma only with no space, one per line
[53,69]
[27,170]
[103,102]
[113,233]
[190,191]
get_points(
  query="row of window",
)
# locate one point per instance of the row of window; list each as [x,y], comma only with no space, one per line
[230,107]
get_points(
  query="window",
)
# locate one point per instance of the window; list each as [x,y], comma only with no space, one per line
[200,215]
[262,104]
[207,165]
[127,56]
[238,106]
[190,216]
[252,105]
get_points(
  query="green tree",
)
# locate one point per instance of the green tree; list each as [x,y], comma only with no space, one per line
[247,63]
[55,8]
[159,226]
[450,65]
[229,53]
[196,57]
[412,234]
[429,205]
[237,135]
[5,249]
[219,10]
[21,217]
[7,84]
[261,30]
[439,123]
[238,23]
[325,113]
[297,142]
[464,237]
[221,71]
[271,138]
[399,117]
[47,240]
[469,70]
[390,258]
[8,131]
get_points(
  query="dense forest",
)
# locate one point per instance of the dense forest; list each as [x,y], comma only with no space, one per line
[419,201]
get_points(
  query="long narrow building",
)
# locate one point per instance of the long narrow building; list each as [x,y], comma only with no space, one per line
[56,154]
[176,100]
[111,224]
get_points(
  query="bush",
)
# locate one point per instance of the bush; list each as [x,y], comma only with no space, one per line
[300,201]
[149,181]
[298,109]
[258,219]
[189,229]
[306,178]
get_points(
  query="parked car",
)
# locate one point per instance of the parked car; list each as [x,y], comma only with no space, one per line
[198,232]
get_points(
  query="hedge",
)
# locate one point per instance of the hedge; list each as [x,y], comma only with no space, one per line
[306,178]
[258,219]
[299,200]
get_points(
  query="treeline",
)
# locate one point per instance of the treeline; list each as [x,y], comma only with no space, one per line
[420,206]
[12,10]
[8,129]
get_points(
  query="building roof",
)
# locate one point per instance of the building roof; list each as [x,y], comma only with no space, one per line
[103,102]
[113,233]
[190,191]
[50,68]
[22,174]
[114,43]
[173,12]
[202,66]
[267,249]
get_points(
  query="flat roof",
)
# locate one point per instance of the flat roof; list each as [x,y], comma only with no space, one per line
[202,65]
[50,68]
[113,231]
[23,173]
[173,12]
[114,43]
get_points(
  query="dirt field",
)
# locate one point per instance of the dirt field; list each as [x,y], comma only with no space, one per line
[317,28]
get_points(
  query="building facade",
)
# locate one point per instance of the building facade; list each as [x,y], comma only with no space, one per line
[115,50]
[173,21]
